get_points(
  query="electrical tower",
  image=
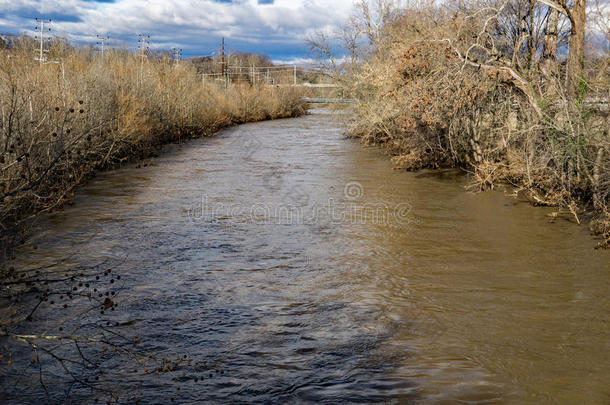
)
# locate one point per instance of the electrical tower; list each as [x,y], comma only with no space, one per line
[176,54]
[143,46]
[224,66]
[102,42]
[40,27]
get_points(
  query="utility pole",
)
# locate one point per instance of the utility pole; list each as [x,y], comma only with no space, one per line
[176,55]
[102,42]
[295,75]
[143,46]
[40,27]
[224,67]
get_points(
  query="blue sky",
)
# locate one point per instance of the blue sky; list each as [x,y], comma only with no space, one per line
[278,28]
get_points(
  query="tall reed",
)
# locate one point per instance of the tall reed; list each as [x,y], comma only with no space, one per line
[62,120]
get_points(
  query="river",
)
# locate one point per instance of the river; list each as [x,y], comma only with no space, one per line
[308,270]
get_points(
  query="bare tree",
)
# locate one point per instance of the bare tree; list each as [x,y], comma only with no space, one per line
[371,19]
[341,50]
[577,15]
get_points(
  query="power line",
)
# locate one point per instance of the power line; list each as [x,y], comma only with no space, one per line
[224,66]
[271,75]
[143,45]
[278,67]
[176,53]
[144,48]
[40,27]
[102,42]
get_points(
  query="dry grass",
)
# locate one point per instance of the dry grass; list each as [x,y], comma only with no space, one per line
[59,123]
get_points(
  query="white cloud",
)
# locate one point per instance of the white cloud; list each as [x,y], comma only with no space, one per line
[194,25]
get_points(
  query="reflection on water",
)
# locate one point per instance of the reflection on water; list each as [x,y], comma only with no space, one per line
[466,297]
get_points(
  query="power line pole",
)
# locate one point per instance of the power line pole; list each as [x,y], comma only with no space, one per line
[40,27]
[176,55]
[143,46]
[102,42]
[224,67]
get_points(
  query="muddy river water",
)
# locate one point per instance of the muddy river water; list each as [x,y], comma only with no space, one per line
[313,272]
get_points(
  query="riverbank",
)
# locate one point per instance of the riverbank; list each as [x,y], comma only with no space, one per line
[430,106]
[63,122]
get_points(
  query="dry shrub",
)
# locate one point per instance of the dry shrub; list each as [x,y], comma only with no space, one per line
[602,227]
[420,97]
[61,122]
[257,103]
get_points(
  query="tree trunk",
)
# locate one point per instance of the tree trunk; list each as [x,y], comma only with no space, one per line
[531,43]
[550,37]
[576,58]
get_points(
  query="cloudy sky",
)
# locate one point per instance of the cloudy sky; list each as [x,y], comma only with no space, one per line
[275,27]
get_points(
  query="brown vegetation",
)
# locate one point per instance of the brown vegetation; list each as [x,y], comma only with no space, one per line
[483,86]
[62,120]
